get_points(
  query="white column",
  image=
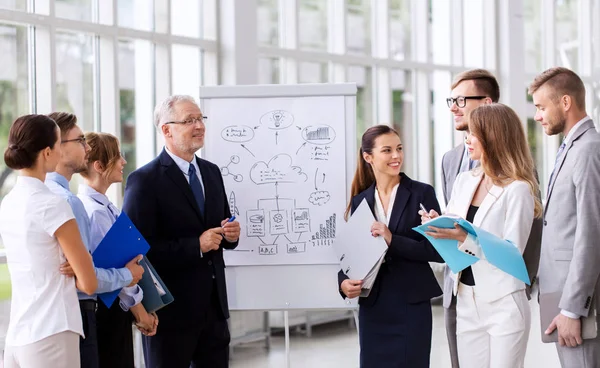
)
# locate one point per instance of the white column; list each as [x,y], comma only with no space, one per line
[382,96]
[45,72]
[238,42]
[288,39]
[337,38]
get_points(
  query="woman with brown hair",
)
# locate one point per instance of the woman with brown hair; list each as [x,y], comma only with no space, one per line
[104,168]
[395,318]
[500,197]
[40,233]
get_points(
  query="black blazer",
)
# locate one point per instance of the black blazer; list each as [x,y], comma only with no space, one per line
[406,266]
[160,203]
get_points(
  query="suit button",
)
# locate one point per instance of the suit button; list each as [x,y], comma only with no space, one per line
[545,223]
[210,263]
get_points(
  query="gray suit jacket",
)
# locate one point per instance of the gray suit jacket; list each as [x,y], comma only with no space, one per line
[570,260]
[451,163]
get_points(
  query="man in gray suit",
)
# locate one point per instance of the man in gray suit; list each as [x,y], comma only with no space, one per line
[471,89]
[570,260]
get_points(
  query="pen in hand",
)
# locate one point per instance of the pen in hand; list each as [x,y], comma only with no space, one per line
[230,220]
[425,212]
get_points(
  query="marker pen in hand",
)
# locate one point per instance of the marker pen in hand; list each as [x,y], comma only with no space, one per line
[230,220]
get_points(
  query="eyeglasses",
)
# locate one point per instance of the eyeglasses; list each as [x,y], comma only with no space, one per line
[461,101]
[189,121]
[81,140]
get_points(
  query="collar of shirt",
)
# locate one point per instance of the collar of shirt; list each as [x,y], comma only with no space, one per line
[58,179]
[29,181]
[86,190]
[183,165]
[572,131]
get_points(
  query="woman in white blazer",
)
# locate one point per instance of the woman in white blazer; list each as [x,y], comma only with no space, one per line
[499,196]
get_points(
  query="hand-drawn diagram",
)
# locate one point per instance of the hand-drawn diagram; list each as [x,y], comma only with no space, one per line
[225,169]
[286,151]
[278,170]
[277,119]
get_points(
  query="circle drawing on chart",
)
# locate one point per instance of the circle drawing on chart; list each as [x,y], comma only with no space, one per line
[278,218]
[237,133]
[277,119]
[318,134]
[225,171]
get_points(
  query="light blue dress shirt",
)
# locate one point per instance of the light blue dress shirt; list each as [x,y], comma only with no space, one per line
[102,215]
[184,166]
[109,279]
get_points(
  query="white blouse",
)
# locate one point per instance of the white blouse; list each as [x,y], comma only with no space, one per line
[44,302]
[381,215]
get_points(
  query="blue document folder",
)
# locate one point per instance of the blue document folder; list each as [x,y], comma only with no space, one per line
[121,244]
[498,252]
[447,248]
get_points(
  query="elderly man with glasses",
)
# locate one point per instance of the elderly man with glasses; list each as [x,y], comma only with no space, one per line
[178,203]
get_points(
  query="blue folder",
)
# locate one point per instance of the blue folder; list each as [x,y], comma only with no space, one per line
[447,248]
[121,244]
[498,252]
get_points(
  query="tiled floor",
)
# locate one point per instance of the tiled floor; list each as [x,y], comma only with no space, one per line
[336,345]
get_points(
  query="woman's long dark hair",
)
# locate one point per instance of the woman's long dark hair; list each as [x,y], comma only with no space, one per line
[364,176]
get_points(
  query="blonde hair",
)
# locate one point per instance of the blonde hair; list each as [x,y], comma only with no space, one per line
[104,148]
[561,81]
[506,156]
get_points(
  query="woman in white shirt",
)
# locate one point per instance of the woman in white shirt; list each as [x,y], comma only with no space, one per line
[104,168]
[493,316]
[40,233]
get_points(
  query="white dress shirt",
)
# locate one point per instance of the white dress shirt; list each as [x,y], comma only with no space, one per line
[103,214]
[44,302]
[381,215]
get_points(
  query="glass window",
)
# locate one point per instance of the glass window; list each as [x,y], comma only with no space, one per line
[535,138]
[400,29]
[268,70]
[439,22]
[74,9]
[312,24]
[75,77]
[358,26]
[186,70]
[13,4]
[364,104]
[402,114]
[567,41]
[309,72]
[595,38]
[185,18]
[533,35]
[473,33]
[14,90]
[268,18]
[136,14]
[135,65]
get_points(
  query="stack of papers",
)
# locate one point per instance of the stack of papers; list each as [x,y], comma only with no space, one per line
[498,252]
[360,253]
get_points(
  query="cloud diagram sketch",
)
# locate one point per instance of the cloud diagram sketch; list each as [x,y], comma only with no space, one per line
[283,166]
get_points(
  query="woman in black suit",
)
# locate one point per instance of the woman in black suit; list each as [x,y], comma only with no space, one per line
[395,320]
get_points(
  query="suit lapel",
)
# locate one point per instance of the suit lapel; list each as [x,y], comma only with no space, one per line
[175,174]
[470,186]
[370,198]
[589,124]
[456,164]
[210,197]
[489,200]
[402,196]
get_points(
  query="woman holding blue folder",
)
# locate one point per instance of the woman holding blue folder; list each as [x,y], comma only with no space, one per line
[395,318]
[493,316]
[104,168]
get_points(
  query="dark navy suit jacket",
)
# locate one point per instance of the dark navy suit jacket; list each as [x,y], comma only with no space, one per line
[406,262]
[160,203]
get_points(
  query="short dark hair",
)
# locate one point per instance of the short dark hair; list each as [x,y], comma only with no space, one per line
[561,81]
[485,82]
[28,135]
[65,121]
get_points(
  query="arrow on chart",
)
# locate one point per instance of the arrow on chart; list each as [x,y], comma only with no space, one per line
[259,238]
[247,150]
[288,239]
[277,195]
[276,135]
[256,127]
[323,178]
[303,144]
[298,127]
[316,174]
[299,235]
